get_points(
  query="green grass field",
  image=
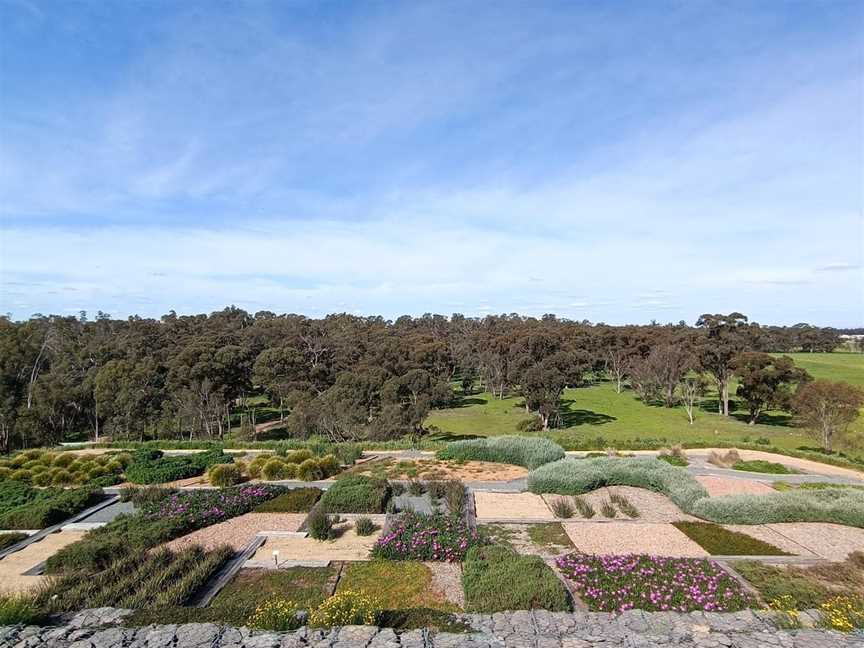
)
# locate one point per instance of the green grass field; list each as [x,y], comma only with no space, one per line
[848,367]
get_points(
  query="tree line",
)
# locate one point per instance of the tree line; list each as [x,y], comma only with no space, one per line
[347,377]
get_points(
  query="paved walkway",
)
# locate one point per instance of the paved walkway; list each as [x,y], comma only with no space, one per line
[538,629]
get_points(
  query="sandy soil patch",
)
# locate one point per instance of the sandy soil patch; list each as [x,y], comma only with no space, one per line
[200,480]
[393,468]
[348,546]
[719,486]
[549,540]
[831,541]
[239,531]
[511,506]
[767,534]
[632,538]
[652,507]
[13,566]
[447,581]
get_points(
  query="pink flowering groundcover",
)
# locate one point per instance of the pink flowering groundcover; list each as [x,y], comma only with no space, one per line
[653,583]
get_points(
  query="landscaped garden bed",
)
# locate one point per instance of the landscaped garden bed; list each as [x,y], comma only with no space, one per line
[496,579]
[25,507]
[718,541]
[356,494]
[439,469]
[345,544]
[155,467]
[414,536]
[45,468]
[528,452]
[547,539]
[616,583]
[511,506]
[614,537]
[398,585]
[17,570]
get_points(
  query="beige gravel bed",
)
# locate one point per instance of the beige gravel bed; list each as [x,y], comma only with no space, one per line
[348,546]
[13,566]
[447,581]
[652,507]
[831,541]
[239,531]
[511,506]
[632,538]
[719,486]
[766,534]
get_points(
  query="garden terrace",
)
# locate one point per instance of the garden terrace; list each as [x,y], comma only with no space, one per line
[438,469]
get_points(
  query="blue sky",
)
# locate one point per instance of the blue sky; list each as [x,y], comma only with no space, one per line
[617,162]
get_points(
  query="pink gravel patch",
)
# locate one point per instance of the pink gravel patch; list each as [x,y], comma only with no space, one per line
[632,538]
[831,541]
[239,531]
[719,486]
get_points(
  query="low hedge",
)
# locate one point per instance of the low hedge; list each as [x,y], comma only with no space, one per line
[497,579]
[356,494]
[153,467]
[51,510]
[530,452]
[578,476]
[296,500]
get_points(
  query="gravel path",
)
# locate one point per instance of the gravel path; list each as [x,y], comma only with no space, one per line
[511,506]
[13,566]
[766,534]
[447,581]
[632,538]
[239,531]
[831,541]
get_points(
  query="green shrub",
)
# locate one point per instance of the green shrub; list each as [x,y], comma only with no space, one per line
[761,466]
[60,477]
[530,452]
[19,609]
[496,579]
[21,475]
[63,460]
[30,465]
[297,456]
[578,476]
[5,473]
[49,510]
[356,494]
[222,475]
[278,614]
[42,479]
[364,526]
[347,453]
[584,507]
[837,505]
[310,470]
[562,508]
[276,468]
[454,495]
[296,500]
[151,467]
[320,525]
[47,459]
[149,496]
[674,460]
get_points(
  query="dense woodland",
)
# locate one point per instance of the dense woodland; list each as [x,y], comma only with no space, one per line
[346,377]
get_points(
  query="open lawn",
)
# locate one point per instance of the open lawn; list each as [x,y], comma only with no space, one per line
[848,367]
[598,411]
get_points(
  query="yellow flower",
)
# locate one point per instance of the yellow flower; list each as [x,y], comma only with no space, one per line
[843,613]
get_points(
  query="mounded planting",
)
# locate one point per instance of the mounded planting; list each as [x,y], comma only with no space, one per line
[356,494]
[496,579]
[529,452]
[577,476]
[44,468]
[37,509]
[296,500]
[154,467]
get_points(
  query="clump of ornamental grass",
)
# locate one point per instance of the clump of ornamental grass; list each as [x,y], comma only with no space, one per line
[562,508]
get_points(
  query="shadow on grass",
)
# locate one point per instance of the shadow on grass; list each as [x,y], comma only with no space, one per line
[574,417]
[773,418]
[450,436]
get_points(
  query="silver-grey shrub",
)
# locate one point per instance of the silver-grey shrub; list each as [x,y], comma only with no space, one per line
[530,452]
[838,505]
[578,476]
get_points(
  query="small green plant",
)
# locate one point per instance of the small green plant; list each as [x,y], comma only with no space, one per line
[364,526]
[454,495]
[624,505]
[277,469]
[608,509]
[416,488]
[346,607]
[222,475]
[760,466]
[562,508]
[276,614]
[18,609]
[585,509]
[436,489]
[320,525]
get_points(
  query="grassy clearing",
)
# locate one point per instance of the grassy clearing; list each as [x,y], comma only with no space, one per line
[848,367]
[718,541]
[395,585]
[598,411]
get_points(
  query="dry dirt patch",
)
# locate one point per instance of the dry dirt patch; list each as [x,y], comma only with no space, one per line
[239,531]
[348,546]
[511,506]
[632,538]
[13,566]
[719,486]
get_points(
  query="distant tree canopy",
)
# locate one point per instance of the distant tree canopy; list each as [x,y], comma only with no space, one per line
[343,376]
